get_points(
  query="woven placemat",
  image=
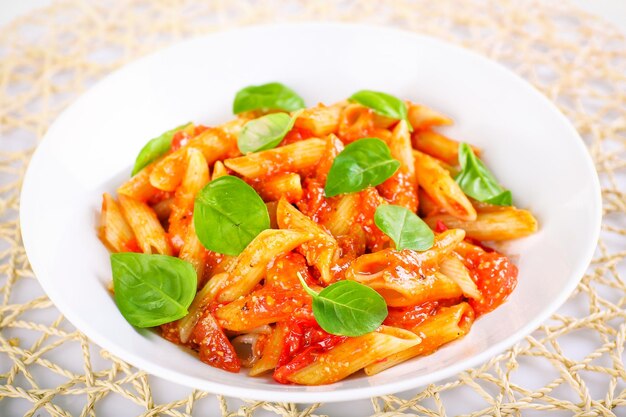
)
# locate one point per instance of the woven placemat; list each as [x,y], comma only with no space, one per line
[50,56]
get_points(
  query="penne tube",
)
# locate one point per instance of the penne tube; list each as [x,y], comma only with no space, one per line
[139,187]
[453,267]
[354,354]
[441,187]
[150,235]
[355,122]
[422,117]
[265,306]
[343,215]
[114,231]
[215,143]
[194,252]
[219,170]
[438,146]
[450,323]
[206,295]
[252,262]
[296,157]
[196,176]
[321,120]
[504,223]
[322,250]
[408,277]
[284,185]
[401,188]
[271,351]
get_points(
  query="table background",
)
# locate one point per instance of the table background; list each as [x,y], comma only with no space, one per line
[572,365]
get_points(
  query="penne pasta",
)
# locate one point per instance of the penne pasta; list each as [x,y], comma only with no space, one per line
[265,306]
[297,157]
[343,215]
[354,354]
[422,117]
[441,187]
[202,299]
[283,185]
[401,188]
[196,176]
[450,323]
[219,170]
[322,250]
[321,120]
[150,235]
[139,187]
[438,146]
[252,262]
[408,277]
[193,252]
[114,231]
[215,143]
[452,267]
[502,223]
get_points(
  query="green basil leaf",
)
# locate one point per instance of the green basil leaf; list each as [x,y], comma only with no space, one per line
[155,148]
[363,163]
[503,199]
[477,181]
[383,104]
[228,214]
[272,96]
[263,133]
[404,227]
[347,308]
[151,290]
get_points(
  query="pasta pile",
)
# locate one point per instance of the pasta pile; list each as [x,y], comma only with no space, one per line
[311,242]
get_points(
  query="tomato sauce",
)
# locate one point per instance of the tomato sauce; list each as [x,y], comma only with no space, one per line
[495,276]
[296,134]
[304,342]
[409,317]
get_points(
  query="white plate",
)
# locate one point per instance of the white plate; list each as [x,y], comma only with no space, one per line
[90,149]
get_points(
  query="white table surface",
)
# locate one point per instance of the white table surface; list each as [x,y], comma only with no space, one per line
[163,391]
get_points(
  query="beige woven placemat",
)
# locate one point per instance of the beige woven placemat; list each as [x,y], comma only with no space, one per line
[50,56]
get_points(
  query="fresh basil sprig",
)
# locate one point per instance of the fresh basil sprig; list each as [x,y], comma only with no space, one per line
[404,227]
[228,214]
[151,290]
[477,181]
[363,163]
[271,96]
[155,148]
[347,308]
[266,132]
[383,104]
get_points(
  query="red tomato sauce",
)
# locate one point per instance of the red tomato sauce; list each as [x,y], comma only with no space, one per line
[409,317]
[296,135]
[495,276]
[304,342]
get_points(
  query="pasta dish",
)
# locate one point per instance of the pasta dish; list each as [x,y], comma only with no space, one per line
[311,243]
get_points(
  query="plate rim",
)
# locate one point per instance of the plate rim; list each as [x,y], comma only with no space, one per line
[344,394]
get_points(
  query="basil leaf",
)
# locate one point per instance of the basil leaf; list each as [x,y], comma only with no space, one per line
[363,163]
[155,148]
[383,104]
[347,308]
[404,227]
[272,96]
[477,181]
[263,133]
[151,290]
[228,214]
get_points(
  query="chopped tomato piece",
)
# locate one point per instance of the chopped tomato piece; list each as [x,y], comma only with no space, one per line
[214,347]
[495,276]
